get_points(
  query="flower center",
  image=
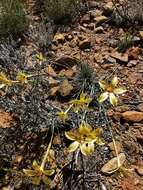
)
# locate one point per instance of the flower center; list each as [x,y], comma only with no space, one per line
[109,89]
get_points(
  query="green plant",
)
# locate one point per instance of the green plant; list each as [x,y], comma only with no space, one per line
[13,20]
[61,10]
[124,43]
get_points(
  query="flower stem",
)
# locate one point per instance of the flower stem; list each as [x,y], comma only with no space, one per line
[47,151]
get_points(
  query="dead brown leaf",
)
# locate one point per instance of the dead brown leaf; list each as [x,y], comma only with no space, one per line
[54,90]
[53,82]
[50,71]
[68,73]
[65,88]
[6,119]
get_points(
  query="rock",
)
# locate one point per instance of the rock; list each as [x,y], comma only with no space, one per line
[100,20]
[132,63]
[132,116]
[69,37]
[92,4]
[59,38]
[95,13]
[133,53]
[112,165]
[118,146]
[117,116]
[85,44]
[121,57]
[139,170]
[66,61]
[82,29]
[141,34]
[108,8]
[73,43]
[91,26]
[140,107]
[85,19]
[111,60]
[99,29]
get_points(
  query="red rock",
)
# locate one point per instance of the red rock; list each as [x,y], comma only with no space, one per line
[133,116]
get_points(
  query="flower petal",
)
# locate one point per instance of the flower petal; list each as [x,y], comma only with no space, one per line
[113,99]
[2,85]
[114,81]
[73,146]
[103,97]
[46,180]
[70,135]
[49,172]
[30,173]
[119,90]
[102,84]
[35,166]
[84,129]
[87,148]
[36,180]
[99,141]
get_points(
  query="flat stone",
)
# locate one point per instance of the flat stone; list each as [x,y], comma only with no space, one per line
[100,20]
[85,44]
[99,29]
[66,60]
[121,57]
[132,116]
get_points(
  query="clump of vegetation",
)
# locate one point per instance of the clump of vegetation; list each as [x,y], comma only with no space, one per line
[61,10]
[124,43]
[13,20]
[128,11]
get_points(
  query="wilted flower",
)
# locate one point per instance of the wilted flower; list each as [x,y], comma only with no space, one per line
[84,138]
[81,103]
[110,90]
[22,77]
[38,174]
[4,81]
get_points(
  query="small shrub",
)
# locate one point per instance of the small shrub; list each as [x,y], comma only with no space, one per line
[61,10]
[128,11]
[13,20]
[124,43]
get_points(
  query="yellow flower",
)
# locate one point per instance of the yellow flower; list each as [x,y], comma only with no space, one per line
[4,81]
[84,138]
[40,57]
[63,115]
[81,103]
[110,90]
[22,77]
[38,174]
